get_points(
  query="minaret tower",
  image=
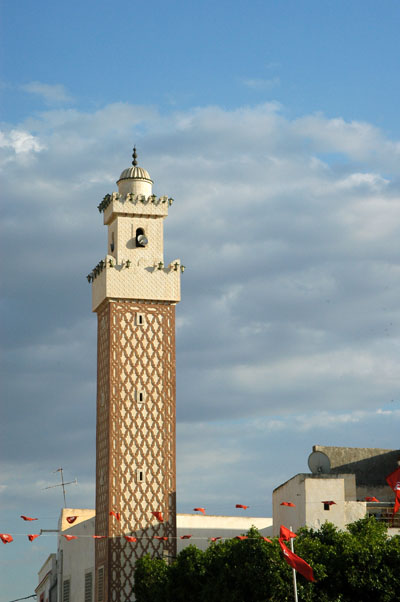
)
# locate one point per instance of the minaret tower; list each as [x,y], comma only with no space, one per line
[134,295]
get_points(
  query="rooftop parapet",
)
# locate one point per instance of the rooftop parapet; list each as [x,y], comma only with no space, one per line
[133,204]
[155,282]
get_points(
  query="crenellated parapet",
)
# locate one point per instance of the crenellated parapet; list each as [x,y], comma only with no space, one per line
[124,280]
[134,204]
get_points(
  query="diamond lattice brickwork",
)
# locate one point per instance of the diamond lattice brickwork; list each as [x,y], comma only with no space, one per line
[135,473]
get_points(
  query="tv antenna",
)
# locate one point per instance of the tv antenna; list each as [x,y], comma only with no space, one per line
[319,463]
[62,484]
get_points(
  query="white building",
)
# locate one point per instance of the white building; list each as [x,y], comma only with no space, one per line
[69,575]
[341,492]
[317,499]
[46,591]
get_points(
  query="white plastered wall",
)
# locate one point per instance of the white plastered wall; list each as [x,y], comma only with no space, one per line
[78,554]
[202,528]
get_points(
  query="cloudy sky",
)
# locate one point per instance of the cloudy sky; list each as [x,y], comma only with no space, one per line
[275,128]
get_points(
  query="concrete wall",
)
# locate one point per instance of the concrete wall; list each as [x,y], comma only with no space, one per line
[76,557]
[370,466]
[291,491]
[308,492]
[46,579]
[202,528]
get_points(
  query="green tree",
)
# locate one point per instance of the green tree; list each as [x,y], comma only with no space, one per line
[151,579]
[187,576]
[361,564]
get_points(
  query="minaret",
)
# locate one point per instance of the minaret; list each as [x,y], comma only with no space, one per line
[134,295]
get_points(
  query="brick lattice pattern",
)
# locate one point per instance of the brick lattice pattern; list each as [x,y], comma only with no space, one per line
[135,464]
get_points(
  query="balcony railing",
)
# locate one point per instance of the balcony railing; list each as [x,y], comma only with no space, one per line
[383,512]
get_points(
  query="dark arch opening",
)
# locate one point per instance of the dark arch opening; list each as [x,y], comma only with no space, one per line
[139,231]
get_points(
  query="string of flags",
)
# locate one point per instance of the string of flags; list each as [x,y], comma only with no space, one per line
[285,534]
[7,538]
[393,481]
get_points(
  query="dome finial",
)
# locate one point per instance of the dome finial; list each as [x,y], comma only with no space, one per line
[134,157]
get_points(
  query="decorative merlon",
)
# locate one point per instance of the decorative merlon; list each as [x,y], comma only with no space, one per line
[109,262]
[134,199]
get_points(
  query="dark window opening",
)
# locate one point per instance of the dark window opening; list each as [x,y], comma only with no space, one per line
[141,240]
[327,506]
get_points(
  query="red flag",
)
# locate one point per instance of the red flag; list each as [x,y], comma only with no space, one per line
[32,537]
[186,536]
[242,506]
[158,516]
[6,538]
[69,537]
[297,563]
[329,503]
[115,514]
[288,504]
[28,517]
[99,536]
[286,534]
[203,510]
[215,538]
[393,480]
[266,539]
[371,499]
[71,519]
[130,538]
[163,538]
[241,537]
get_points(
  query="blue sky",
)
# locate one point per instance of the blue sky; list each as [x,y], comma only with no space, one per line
[333,56]
[274,125]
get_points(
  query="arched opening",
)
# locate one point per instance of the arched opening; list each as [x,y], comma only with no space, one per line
[141,240]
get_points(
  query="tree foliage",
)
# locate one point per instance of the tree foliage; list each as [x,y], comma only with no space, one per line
[361,564]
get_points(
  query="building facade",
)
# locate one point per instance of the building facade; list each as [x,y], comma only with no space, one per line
[134,294]
[352,486]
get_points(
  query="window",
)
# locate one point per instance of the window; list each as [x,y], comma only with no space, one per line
[140,475]
[67,590]
[141,240]
[327,506]
[112,242]
[88,587]
[100,584]
[139,319]
[140,397]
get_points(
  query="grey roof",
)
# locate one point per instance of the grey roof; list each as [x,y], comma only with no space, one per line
[135,173]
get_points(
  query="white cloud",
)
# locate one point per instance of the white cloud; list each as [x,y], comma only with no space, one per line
[20,141]
[261,84]
[289,326]
[369,180]
[357,140]
[50,93]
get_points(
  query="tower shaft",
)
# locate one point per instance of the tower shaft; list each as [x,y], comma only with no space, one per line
[134,297]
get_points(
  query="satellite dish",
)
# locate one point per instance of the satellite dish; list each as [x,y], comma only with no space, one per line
[319,463]
[142,240]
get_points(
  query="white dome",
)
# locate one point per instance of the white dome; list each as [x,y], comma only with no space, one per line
[135,173]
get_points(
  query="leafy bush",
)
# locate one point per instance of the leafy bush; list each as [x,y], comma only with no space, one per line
[358,565]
